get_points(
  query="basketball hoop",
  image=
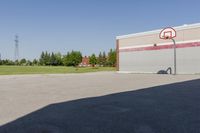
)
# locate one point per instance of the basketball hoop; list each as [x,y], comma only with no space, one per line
[167,33]
[170,33]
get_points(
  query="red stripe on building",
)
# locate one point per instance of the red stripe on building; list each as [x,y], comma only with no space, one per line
[168,46]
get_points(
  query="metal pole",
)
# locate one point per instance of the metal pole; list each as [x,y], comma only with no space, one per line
[174,56]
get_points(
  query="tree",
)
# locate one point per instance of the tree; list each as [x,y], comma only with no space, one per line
[100,59]
[29,63]
[22,61]
[58,59]
[72,58]
[8,62]
[41,60]
[112,58]
[35,62]
[53,60]
[15,63]
[104,59]
[65,59]
[47,58]
[93,60]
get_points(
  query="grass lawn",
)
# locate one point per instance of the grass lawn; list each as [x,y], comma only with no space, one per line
[13,70]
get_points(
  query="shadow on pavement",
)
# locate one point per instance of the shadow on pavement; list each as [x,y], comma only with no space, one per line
[173,108]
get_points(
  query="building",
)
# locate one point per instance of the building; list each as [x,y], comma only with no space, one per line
[146,53]
[85,62]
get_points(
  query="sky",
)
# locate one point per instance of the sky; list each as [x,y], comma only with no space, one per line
[89,26]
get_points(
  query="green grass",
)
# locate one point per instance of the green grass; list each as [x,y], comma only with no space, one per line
[13,70]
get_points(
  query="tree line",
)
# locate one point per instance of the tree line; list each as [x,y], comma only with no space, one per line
[73,58]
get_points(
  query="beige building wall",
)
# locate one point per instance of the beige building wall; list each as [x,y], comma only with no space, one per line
[182,35]
[152,61]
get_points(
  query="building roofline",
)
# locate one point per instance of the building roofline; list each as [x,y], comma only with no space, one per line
[185,26]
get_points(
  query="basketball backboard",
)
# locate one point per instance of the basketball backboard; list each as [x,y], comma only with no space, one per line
[167,33]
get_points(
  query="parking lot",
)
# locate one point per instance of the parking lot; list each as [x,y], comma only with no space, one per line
[100,102]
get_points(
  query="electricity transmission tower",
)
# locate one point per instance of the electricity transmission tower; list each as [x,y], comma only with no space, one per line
[16,48]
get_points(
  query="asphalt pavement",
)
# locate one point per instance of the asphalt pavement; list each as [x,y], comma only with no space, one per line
[103,102]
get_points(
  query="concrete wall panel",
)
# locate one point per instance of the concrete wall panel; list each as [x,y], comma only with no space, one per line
[146,61]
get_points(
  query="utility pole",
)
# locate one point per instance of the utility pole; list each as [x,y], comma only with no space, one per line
[16,48]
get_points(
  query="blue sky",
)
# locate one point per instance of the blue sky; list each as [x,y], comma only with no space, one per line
[86,25]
